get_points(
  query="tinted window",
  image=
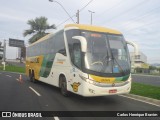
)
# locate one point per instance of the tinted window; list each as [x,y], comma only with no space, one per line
[54,44]
[59,45]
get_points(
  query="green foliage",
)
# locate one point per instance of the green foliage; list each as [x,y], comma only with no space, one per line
[38,26]
[152,68]
[138,70]
[146,90]
[13,68]
[158,69]
[36,37]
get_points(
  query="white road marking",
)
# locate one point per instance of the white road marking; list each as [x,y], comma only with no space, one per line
[35,91]
[17,79]
[8,76]
[140,100]
[56,118]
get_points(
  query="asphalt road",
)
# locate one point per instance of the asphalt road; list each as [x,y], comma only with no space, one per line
[16,96]
[147,79]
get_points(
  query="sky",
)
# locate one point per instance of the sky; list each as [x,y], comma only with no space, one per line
[138,20]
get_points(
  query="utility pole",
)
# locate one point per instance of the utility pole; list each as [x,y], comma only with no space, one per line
[77,15]
[91,15]
[4,55]
[4,51]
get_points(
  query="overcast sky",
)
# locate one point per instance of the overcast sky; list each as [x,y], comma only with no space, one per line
[138,20]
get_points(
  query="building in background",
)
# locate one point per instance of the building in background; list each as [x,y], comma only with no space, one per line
[19,53]
[139,61]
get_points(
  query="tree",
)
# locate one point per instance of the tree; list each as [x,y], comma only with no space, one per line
[152,68]
[38,26]
[138,70]
[158,69]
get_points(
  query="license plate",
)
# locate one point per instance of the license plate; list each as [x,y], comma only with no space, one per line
[113,91]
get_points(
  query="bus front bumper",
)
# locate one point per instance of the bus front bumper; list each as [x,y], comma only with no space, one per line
[93,90]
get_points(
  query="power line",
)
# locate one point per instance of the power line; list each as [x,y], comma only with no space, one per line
[124,12]
[75,15]
[64,21]
[85,6]
[141,17]
[63,9]
[147,24]
[109,9]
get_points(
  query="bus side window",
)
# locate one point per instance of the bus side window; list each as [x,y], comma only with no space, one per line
[59,44]
[77,54]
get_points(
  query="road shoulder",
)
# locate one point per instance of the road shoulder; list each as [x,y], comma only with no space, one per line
[143,99]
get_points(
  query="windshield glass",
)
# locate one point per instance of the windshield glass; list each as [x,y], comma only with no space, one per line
[106,53]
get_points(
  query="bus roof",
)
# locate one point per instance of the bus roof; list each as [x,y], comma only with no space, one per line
[82,27]
[41,39]
[93,28]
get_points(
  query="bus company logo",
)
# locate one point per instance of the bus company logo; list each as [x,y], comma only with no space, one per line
[75,86]
[113,85]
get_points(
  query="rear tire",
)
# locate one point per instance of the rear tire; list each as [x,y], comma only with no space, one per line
[32,77]
[63,86]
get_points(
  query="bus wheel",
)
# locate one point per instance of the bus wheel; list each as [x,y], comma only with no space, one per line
[30,76]
[33,77]
[63,86]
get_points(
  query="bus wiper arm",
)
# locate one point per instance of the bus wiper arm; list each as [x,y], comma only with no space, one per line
[113,58]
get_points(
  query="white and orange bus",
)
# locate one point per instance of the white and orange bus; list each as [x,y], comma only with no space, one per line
[83,59]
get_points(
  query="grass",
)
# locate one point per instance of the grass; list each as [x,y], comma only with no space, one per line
[145,90]
[13,68]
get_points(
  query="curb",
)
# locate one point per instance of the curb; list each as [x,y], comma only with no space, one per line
[145,99]
[145,75]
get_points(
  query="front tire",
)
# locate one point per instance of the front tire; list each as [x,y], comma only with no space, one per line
[63,87]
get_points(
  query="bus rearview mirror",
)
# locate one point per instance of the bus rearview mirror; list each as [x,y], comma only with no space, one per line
[83,42]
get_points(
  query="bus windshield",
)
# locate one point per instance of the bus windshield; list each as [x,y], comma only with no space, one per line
[106,53]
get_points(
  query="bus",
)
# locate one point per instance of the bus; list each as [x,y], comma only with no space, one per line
[84,59]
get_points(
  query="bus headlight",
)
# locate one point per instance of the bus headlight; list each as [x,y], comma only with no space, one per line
[87,80]
[83,78]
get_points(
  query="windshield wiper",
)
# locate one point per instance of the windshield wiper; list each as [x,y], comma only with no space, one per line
[113,58]
[108,59]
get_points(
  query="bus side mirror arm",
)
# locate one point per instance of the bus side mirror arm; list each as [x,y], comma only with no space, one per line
[136,48]
[83,42]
